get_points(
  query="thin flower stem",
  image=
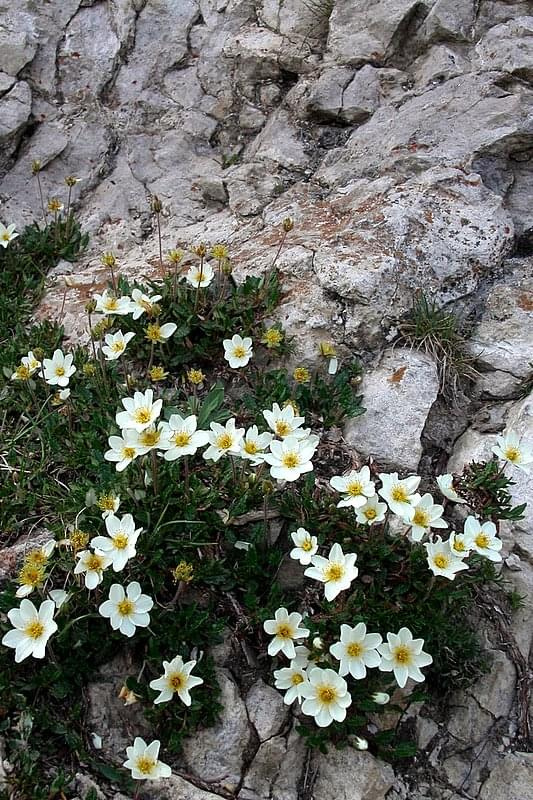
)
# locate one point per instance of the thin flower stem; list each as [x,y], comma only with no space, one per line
[160,245]
[197,296]
[42,199]
[186,476]
[151,361]
[154,472]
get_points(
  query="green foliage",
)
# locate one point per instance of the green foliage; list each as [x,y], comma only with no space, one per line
[437,332]
[485,485]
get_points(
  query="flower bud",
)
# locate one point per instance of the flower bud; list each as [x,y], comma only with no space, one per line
[90,306]
[360,743]
[227,267]
[157,205]
[108,260]
[36,166]
[380,698]
[38,352]
[267,487]
[288,224]
[200,250]
[318,644]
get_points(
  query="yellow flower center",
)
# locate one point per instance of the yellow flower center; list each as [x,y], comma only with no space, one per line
[273,336]
[120,541]
[118,347]
[198,276]
[297,679]
[482,540]
[145,765]
[371,513]
[34,629]
[307,545]
[290,460]
[94,563]
[421,518]
[125,607]
[5,237]
[31,575]
[142,415]
[22,372]
[111,304]
[301,375]
[459,545]
[36,557]
[224,441]
[282,428]
[128,452]
[239,351]
[355,649]
[334,572]
[181,439]
[354,488]
[327,694]
[441,561]
[399,493]
[176,681]
[284,631]
[195,376]
[251,448]
[402,654]
[153,332]
[106,502]
[150,438]
[60,371]
[512,453]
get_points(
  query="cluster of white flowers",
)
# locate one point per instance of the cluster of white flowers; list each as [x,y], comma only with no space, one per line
[323,692]
[288,456]
[56,371]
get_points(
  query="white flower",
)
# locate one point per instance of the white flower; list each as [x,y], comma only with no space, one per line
[59,368]
[442,560]
[284,422]
[7,234]
[180,437]
[142,302]
[302,656]
[291,457]
[356,488]
[336,572]
[120,543]
[200,276]
[128,609]
[122,449]
[290,679]
[64,394]
[360,743]
[238,351]
[223,439]
[483,538]
[445,483]
[284,628]
[58,597]
[93,565]
[423,516]
[32,629]
[509,448]
[404,656]
[176,678]
[305,546]
[115,344]
[160,333]
[400,493]
[140,411]
[373,511]
[143,761]
[150,438]
[29,365]
[356,650]
[459,544]
[107,303]
[380,698]
[326,696]
[253,445]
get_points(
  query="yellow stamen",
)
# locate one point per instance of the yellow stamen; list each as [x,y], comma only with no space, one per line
[290,460]
[34,629]
[125,607]
[334,572]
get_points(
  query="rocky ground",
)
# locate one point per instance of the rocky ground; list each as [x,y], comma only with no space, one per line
[399,136]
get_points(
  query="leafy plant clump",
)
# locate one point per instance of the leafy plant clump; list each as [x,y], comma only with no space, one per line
[182,483]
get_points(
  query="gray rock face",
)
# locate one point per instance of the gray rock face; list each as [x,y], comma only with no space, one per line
[216,754]
[508,48]
[266,710]
[15,110]
[510,779]
[398,394]
[351,775]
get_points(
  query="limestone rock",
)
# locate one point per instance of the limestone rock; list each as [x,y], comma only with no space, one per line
[450,20]
[17,39]
[88,52]
[266,710]
[326,95]
[176,788]
[276,770]
[365,32]
[398,395]
[216,754]
[508,48]
[362,95]
[502,340]
[439,64]
[279,142]
[351,775]
[15,110]
[510,779]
